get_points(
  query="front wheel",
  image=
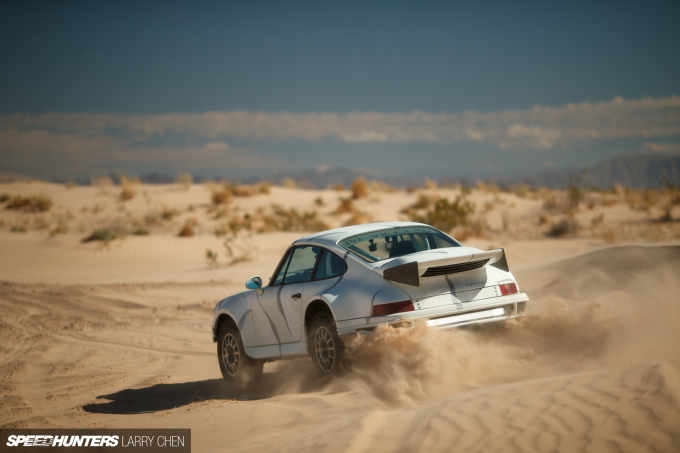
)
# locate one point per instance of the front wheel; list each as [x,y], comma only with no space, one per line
[326,349]
[235,364]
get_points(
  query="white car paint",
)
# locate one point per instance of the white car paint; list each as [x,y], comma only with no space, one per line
[271,320]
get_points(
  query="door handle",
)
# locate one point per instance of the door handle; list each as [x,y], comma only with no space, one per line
[296,296]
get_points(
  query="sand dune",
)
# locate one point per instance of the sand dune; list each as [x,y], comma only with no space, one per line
[119,334]
[595,368]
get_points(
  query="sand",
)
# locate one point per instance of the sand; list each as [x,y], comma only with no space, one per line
[119,336]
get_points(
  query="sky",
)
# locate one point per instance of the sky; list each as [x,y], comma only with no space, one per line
[423,89]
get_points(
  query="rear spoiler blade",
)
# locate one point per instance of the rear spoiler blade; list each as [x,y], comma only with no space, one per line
[410,273]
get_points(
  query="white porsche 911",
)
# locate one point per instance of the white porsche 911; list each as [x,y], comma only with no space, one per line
[348,280]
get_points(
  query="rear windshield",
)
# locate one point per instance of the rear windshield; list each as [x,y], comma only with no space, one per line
[393,242]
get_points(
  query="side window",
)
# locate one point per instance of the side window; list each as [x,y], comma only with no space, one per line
[282,270]
[330,265]
[301,264]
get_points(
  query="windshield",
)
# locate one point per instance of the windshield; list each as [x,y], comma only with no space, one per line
[393,242]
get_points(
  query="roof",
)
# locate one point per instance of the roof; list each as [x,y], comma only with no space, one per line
[331,237]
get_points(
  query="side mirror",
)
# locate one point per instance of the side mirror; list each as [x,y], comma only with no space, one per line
[254,282]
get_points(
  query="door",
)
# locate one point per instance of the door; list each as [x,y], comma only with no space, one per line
[281,303]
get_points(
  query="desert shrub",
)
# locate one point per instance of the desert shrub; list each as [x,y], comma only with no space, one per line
[597,220]
[359,188]
[445,215]
[345,206]
[574,192]
[4,198]
[672,194]
[608,202]
[167,213]
[18,228]
[140,231]
[32,203]
[114,231]
[338,186]
[188,228]
[282,219]
[318,201]
[60,225]
[565,227]
[71,184]
[357,218]
[609,236]
[128,191]
[102,182]
[423,202]
[222,194]
[211,257]
[289,183]
[429,184]
[184,180]
[543,219]
[522,190]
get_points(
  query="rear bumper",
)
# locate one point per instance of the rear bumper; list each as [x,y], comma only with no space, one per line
[447,316]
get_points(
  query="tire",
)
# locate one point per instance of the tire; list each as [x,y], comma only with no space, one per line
[235,364]
[326,348]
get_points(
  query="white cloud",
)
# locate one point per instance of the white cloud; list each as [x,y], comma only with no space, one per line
[216,146]
[534,128]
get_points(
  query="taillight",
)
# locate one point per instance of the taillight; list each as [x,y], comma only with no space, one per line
[509,288]
[394,307]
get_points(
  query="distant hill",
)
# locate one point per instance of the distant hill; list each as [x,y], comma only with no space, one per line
[637,171]
[322,177]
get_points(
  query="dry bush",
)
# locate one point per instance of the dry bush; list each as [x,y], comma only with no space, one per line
[346,205]
[250,190]
[522,190]
[59,225]
[359,188]
[411,189]
[429,184]
[115,230]
[565,227]
[289,183]
[446,215]
[597,220]
[71,184]
[4,198]
[221,194]
[608,202]
[574,192]
[609,236]
[672,195]
[102,182]
[490,188]
[211,256]
[31,203]
[18,228]
[590,204]
[188,228]
[337,186]
[128,191]
[358,218]
[543,219]
[184,180]
[282,219]
[424,201]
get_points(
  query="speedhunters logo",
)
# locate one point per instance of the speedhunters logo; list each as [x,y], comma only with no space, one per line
[33,440]
[128,440]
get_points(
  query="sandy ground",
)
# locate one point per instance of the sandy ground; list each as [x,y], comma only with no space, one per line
[119,335]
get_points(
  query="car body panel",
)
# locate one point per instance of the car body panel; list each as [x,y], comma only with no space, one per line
[272,322]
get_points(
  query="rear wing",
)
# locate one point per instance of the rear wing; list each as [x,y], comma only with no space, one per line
[410,273]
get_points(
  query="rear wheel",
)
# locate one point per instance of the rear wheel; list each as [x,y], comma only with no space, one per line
[326,349]
[235,364]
